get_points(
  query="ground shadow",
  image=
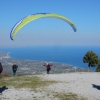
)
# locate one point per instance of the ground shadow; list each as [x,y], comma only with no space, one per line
[96,86]
[3,88]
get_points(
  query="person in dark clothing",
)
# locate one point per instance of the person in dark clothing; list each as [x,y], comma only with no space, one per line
[48,66]
[1,69]
[14,68]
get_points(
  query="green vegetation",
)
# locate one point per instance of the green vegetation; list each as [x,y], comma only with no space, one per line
[68,96]
[24,82]
[98,68]
[91,58]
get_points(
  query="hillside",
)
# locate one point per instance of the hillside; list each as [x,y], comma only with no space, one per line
[30,67]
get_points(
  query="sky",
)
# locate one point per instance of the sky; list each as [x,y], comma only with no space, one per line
[50,31]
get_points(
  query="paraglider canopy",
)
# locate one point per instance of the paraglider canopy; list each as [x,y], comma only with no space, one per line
[32,17]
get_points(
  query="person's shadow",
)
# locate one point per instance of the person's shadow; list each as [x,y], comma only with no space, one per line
[96,86]
[3,88]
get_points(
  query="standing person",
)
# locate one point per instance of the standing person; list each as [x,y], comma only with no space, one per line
[48,66]
[1,69]
[14,68]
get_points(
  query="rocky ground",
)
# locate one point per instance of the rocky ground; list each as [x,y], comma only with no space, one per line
[86,85]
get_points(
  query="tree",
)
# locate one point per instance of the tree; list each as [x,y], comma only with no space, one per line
[98,68]
[91,58]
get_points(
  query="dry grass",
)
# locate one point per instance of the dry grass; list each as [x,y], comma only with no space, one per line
[68,96]
[24,82]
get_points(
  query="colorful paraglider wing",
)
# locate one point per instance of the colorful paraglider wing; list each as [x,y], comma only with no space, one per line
[32,17]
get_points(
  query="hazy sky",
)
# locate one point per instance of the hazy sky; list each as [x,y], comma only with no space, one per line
[50,31]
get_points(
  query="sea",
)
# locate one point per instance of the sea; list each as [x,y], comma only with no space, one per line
[72,55]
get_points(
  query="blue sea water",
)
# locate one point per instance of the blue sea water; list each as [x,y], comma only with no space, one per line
[71,55]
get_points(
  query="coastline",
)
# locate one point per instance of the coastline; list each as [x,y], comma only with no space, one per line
[65,55]
[8,55]
[29,67]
